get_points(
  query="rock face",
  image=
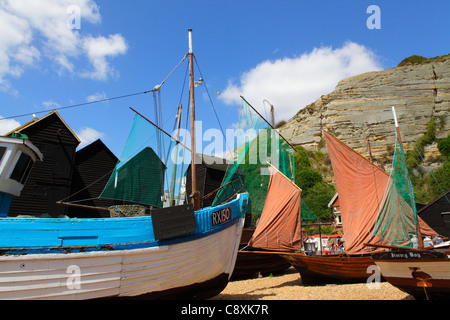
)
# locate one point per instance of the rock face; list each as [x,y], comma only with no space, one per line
[359,109]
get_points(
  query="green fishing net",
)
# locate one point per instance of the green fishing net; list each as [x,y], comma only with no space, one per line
[150,169]
[397,218]
[306,212]
[257,144]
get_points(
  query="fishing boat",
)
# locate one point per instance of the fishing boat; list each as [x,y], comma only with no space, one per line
[254,179]
[182,251]
[278,233]
[361,186]
[413,265]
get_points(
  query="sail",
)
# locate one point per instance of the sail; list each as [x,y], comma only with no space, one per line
[146,166]
[360,186]
[279,227]
[397,221]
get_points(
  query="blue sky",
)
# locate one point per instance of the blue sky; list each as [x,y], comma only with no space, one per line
[288,52]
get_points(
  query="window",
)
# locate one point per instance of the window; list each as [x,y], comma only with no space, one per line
[2,152]
[22,168]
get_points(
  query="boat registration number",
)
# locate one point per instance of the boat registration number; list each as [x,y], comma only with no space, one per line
[221,216]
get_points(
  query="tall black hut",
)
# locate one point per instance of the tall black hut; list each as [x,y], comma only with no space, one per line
[49,180]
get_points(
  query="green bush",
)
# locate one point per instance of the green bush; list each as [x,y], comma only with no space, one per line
[316,193]
[412,60]
[444,146]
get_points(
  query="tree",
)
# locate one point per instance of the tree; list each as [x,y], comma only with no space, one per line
[315,191]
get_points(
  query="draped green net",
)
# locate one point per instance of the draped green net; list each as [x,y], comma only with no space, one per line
[150,169]
[397,218]
[306,213]
[256,145]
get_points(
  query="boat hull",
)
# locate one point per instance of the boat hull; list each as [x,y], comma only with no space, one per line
[424,275]
[120,257]
[199,268]
[249,263]
[323,269]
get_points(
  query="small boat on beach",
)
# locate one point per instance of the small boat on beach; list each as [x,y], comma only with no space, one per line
[361,186]
[176,252]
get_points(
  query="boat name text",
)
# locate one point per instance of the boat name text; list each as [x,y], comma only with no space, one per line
[221,216]
[405,255]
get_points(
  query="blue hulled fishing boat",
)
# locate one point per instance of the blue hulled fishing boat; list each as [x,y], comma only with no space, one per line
[148,249]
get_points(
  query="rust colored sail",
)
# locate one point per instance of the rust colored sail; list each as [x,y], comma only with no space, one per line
[279,226]
[360,186]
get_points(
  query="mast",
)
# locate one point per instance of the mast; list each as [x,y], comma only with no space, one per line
[195,194]
[419,236]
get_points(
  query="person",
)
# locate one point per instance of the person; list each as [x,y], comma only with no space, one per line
[340,245]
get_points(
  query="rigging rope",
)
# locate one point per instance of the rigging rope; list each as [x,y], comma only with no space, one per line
[79,104]
[212,104]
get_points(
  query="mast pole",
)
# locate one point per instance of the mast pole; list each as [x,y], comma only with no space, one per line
[419,236]
[195,194]
[174,176]
[396,125]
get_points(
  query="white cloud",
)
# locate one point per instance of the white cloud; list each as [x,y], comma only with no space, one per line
[292,83]
[50,104]
[98,50]
[33,29]
[96,97]
[88,135]
[7,125]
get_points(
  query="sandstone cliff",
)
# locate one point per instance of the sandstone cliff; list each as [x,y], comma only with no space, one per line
[359,109]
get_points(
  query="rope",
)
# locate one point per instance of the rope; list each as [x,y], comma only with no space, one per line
[80,104]
[212,104]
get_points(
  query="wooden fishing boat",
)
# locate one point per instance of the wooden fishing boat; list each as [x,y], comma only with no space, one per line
[279,233]
[361,186]
[119,257]
[358,198]
[174,252]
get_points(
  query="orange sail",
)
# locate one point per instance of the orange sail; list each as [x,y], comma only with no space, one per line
[360,186]
[279,227]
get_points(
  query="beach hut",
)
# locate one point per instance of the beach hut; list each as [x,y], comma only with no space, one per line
[49,180]
[93,166]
